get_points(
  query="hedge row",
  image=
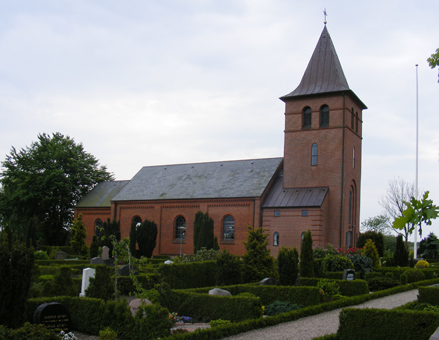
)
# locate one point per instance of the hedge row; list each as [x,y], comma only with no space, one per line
[189,275]
[90,315]
[245,326]
[304,296]
[347,288]
[377,324]
[429,295]
[82,263]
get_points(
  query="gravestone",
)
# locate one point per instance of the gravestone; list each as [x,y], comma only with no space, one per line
[105,253]
[349,274]
[219,292]
[134,305]
[60,255]
[125,270]
[87,273]
[53,315]
[268,281]
[109,262]
[168,262]
[97,260]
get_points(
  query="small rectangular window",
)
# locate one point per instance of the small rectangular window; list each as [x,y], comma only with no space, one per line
[276,213]
[304,213]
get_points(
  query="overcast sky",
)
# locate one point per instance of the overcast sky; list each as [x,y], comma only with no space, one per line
[152,82]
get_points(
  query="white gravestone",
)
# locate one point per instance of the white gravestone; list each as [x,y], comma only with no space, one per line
[87,273]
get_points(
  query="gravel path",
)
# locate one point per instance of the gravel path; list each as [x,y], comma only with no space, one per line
[321,324]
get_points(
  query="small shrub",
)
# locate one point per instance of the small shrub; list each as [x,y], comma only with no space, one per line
[371,251]
[422,264]
[107,334]
[278,307]
[219,322]
[412,275]
[33,332]
[361,263]
[380,283]
[336,263]
[329,289]
[41,255]
[229,269]
[101,286]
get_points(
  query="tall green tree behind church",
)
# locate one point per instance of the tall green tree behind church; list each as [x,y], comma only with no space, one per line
[44,182]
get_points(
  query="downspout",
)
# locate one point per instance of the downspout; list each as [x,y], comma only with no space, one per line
[342,173]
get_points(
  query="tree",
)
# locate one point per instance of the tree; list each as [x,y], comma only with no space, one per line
[433,61]
[288,264]
[94,247]
[306,256]
[371,251]
[378,224]
[401,255]
[105,234]
[203,232]
[393,202]
[377,239]
[257,262]
[78,234]
[46,180]
[429,247]
[416,213]
[146,236]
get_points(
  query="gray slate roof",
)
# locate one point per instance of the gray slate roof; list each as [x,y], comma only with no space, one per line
[229,179]
[101,195]
[324,73]
[278,197]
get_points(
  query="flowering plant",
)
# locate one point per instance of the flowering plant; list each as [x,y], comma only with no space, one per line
[67,336]
[173,317]
[186,319]
[349,251]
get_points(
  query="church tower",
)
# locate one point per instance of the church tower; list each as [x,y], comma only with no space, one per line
[323,135]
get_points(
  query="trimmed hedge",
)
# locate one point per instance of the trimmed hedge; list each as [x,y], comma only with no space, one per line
[125,284]
[347,288]
[189,275]
[429,295]
[379,324]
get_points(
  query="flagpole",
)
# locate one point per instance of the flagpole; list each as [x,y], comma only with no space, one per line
[417,158]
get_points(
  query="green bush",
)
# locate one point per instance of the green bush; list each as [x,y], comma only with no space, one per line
[219,322]
[429,295]
[377,238]
[401,255]
[94,247]
[361,263]
[288,266]
[101,286]
[412,275]
[63,283]
[278,307]
[336,263]
[371,251]
[189,275]
[41,255]
[107,334]
[381,283]
[229,269]
[347,288]
[306,265]
[28,332]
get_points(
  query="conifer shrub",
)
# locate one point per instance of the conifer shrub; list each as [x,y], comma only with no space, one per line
[371,251]
[94,247]
[422,264]
[63,284]
[101,286]
[306,265]
[401,255]
[229,269]
[288,266]
[377,238]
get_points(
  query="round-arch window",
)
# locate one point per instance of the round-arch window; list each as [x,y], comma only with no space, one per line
[136,221]
[228,228]
[180,227]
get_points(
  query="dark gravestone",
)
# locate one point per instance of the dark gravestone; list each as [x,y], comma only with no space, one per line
[97,260]
[60,255]
[125,270]
[268,281]
[53,315]
[349,274]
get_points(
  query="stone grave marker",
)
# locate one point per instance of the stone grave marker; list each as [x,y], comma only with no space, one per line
[53,315]
[125,270]
[268,281]
[349,274]
[105,253]
[97,260]
[60,255]
[87,273]
[134,305]
[219,292]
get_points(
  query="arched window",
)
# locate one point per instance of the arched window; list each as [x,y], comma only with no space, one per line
[324,116]
[352,119]
[228,228]
[314,154]
[356,123]
[136,221]
[276,239]
[306,118]
[180,227]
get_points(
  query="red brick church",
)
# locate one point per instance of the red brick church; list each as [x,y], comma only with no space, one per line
[315,185]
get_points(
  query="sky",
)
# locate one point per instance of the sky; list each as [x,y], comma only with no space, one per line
[154,82]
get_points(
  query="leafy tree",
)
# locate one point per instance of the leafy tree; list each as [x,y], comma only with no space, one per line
[229,269]
[393,202]
[401,255]
[78,234]
[146,235]
[203,232]
[257,262]
[378,224]
[433,61]
[45,181]
[306,264]
[371,251]
[288,264]
[429,247]
[16,264]
[377,238]
[416,213]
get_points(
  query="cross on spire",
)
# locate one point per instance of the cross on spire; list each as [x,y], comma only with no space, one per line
[324,13]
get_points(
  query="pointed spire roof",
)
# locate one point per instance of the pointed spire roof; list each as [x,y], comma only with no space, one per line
[324,73]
